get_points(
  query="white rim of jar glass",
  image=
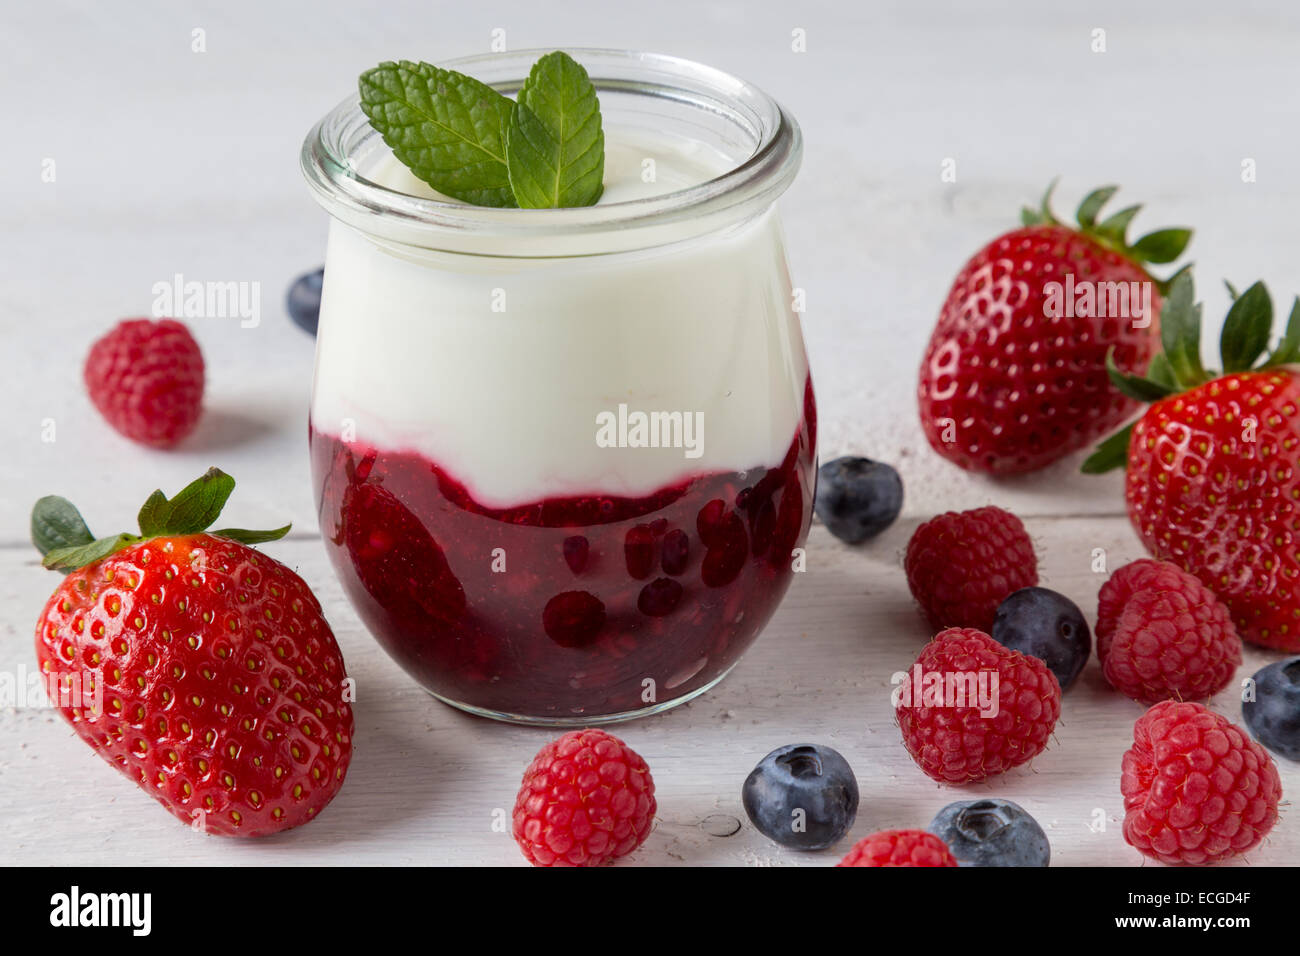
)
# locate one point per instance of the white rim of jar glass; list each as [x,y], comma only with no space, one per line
[752,185]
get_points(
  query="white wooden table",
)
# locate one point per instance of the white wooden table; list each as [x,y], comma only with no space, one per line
[173,161]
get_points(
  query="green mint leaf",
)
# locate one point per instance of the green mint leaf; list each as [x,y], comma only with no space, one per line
[1161,246]
[1110,454]
[56,523]
[447,128]
[1092,203]
[253,537]
[555,148]
[1246,329]
[78,556]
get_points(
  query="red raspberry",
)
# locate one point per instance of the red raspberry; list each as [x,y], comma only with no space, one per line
[899,848]
[587,799]
[146,379]
[1196,788]
[954,742]
[961,565]
[1163,634]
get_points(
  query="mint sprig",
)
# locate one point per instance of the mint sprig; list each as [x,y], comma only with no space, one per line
[447,128]
[61,535]
[555,147]
[1246,332]
[469,142]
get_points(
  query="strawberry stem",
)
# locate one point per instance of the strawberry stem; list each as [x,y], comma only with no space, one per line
[61,535]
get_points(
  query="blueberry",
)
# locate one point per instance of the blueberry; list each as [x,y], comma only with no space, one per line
[858,498]
[1046,625]
[303,300]
[991,832]
[1273,717]
[802,796]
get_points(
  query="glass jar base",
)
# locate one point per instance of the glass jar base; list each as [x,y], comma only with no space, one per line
[579,720]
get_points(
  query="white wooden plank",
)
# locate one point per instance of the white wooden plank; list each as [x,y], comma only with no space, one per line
[427,780]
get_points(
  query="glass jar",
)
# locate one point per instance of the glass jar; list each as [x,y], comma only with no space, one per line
[564,458]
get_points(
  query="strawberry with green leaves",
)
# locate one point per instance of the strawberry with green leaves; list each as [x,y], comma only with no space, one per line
[1213,482]
[201,668]
[1014,376]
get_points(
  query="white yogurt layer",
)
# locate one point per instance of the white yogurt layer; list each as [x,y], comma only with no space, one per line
[501,369]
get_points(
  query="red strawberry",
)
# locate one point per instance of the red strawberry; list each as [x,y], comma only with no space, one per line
[1213,484]
[198,666]
[146,379]
[1014,377]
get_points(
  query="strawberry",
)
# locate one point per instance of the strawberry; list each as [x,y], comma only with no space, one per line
[1213,484]
[199,667]
[1014,377]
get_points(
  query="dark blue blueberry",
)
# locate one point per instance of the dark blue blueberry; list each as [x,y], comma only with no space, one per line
[858,498]
[1046,625]
[1273,717]
[303,300]
[802,796]
[992,832]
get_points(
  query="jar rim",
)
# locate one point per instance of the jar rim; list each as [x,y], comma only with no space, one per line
[754,183]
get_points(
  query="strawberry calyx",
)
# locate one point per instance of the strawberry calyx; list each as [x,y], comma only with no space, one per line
[1178,368]
[1155,248]
[66,544]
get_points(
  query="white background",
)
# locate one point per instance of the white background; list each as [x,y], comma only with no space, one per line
[170,161]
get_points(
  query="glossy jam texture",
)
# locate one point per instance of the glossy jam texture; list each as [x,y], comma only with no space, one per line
[568,607]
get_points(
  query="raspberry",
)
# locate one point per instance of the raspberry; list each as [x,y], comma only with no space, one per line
[1163,634]
[587,799]
[146,379]
[949,736]
[961,565]
[1196,789]
[899,848]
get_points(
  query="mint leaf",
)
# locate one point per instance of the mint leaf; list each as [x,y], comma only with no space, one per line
[56,523]
[555,147]
[447,128]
